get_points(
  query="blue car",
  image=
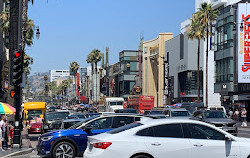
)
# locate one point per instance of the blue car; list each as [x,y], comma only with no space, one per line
[73,142]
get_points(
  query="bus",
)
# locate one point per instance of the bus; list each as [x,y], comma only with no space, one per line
[141,103]
[34,109]
[112,104]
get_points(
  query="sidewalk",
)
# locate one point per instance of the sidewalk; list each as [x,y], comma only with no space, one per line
[26,147]
[240,128]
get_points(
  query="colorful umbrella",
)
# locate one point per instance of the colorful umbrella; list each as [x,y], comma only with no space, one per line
[6,109]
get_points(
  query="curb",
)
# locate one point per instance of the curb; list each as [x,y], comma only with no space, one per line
[22,152]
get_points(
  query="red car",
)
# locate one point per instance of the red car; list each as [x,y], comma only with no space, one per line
[35,127]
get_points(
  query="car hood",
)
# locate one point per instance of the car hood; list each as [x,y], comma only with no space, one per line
[71,131]
[219,120]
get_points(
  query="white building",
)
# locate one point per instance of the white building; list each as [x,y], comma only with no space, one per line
[54,74]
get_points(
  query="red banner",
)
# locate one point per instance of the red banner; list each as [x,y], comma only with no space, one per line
[77,84]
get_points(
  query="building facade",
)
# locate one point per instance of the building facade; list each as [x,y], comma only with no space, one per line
[181,70]
[153,67]
[54,74]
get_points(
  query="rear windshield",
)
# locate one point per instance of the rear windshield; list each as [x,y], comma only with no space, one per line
[75,126]
[180,113]
[124,128]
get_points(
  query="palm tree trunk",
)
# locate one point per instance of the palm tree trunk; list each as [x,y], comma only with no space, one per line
[207,70]
[96,82]
[198,72]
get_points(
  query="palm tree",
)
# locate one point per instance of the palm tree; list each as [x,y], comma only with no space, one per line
[94,57]
[74,66]
[5,18]
[29,35]
[196,32]
[207,15]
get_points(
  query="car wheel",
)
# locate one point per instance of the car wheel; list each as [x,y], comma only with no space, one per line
[65,150]
[141,156]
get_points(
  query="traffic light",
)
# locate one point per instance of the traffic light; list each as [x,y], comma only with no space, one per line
[17,67]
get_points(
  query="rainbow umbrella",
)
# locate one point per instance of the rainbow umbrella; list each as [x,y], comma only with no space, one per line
[6,109]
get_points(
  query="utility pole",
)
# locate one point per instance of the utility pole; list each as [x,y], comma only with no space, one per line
[16,67]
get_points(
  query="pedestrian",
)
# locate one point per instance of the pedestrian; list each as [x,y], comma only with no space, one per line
[236,115]
[2,131]
[11,135]
[230,113]
[244,117]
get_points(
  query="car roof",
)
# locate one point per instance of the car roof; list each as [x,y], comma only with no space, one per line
[178,109]
[121,114]
[166,121]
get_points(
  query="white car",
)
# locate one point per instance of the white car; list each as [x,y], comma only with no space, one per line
[167,138]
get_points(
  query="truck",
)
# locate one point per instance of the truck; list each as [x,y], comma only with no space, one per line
[34,109]
[140,102]
[111,104]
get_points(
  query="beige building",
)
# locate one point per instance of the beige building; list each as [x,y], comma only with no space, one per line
[153,67]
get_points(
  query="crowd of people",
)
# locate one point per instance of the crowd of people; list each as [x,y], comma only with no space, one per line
[239,115]
[6,133]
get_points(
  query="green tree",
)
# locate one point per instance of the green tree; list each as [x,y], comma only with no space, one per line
[5,18]
[196,31]
[207,15]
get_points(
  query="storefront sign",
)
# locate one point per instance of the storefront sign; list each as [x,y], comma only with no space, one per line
[243,43]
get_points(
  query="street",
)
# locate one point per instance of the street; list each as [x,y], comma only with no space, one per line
[243,132]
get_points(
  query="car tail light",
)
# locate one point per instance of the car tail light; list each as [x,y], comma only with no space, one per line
[102,145]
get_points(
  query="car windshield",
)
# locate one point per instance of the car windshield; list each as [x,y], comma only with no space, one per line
[215,114]
[92,115]
[124,128]
[58,115]
[35,112]
[66,125]
[116,103]
[80,123]
[179,113]
[155,112]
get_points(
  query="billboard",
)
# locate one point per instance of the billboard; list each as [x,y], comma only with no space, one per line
[243,19]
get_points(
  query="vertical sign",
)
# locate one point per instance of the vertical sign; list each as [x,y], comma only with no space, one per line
[77,84]
[243,43]
[166,76]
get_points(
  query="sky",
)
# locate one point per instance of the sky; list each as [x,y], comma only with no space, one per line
[71,29]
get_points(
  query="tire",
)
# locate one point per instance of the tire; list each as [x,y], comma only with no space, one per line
[141,156]
[64,149]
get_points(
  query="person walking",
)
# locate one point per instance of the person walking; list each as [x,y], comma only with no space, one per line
[2,132]
[236,115]
[244,117]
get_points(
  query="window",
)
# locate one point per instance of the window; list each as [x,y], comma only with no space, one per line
[146,132]
[124,128]
[102,123]
[196,131]
[145,50]
[168,130]
[122,120]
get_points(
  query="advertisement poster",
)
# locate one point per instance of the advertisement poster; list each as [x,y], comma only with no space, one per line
[243,42]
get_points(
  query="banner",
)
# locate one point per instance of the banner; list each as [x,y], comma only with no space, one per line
[243,43]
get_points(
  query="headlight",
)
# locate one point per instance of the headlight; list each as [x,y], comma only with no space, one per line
[46,138]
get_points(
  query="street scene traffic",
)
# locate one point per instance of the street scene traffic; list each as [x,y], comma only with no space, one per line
[127,79]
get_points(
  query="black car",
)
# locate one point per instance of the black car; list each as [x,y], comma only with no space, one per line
[128,110]
[217,118]
[53,120]
[153,112]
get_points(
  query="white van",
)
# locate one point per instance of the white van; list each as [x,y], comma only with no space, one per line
[114,103]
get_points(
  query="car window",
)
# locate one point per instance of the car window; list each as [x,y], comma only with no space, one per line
[137,118]
[124,128]
[179,113]
[196,131]
[197,113]
[215,114]
[122,120]
[102,123]
[146,132]
[168,130]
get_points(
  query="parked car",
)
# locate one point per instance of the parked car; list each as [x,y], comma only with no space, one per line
[161,138]
[35,127]
[153,112]
[128,110]
[192,106]
[70,122]
[217,118]
[177,113]
[73,141]
[53,120]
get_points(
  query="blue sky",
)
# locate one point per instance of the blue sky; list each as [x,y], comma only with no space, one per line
[70,29]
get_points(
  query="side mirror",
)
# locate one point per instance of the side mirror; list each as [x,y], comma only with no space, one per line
[200,117]
[228,138]
[88,128]
[167,115]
